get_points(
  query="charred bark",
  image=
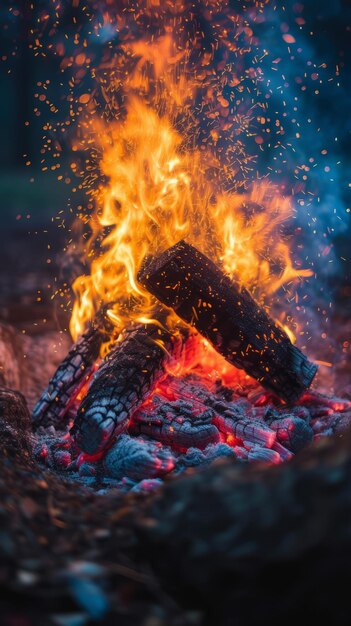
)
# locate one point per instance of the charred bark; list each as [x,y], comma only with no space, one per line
[202,295]
[122,383]
[71,374]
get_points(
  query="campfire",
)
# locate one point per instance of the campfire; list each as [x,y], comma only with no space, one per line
[222,381]
[185,348]
[175,406]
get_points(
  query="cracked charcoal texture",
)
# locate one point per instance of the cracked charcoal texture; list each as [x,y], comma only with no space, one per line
[138,458]
[230,418]
[246,430]
[169,425]
[121,384]
[194,457]
[184,279]
[71,374]
[292,432]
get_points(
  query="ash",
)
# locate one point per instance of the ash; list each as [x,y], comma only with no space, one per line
[188,424]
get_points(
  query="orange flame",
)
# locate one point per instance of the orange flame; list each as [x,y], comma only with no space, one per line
[160,189]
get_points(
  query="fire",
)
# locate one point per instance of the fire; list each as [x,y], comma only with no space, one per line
[158,187]
[199,357]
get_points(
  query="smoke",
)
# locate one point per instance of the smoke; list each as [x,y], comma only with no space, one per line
[306,91]
[303,149]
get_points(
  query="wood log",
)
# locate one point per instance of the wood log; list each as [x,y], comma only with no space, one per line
[122,383]
[202,295]
[72,373]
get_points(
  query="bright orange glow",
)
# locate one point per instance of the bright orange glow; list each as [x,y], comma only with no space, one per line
[200,358]
[158,189]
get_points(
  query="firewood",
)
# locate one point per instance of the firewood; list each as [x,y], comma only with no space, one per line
[72,373]
[202,295]
[124,380]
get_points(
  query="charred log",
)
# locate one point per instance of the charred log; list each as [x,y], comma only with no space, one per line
[202,295]
[72,373]
[245,429]
[122,383]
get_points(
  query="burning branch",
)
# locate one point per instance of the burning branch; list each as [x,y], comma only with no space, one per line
[122,383]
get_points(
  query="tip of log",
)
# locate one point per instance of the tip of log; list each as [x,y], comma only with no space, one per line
[181,254]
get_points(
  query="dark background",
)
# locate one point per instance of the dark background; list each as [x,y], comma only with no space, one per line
[36,208]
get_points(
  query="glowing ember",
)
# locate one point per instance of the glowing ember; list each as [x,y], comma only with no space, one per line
[191,421]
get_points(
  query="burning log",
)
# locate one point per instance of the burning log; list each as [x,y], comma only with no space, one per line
[319,401]
[127,375]
[72,373]
[202,295]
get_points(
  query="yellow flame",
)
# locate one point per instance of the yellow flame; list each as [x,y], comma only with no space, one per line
[288,331]
[158,191]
